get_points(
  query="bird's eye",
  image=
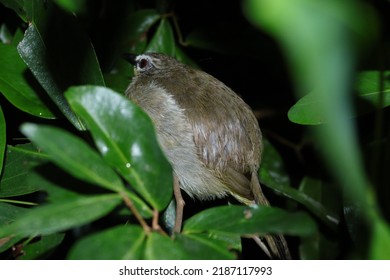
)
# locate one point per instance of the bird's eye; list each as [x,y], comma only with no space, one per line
[143,63]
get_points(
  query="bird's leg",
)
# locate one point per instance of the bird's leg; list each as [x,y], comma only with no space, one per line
[179,204]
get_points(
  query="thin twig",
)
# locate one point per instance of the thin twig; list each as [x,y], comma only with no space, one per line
[136,214]
[178,32]
[155,225]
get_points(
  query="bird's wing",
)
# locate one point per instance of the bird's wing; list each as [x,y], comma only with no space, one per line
[226,132]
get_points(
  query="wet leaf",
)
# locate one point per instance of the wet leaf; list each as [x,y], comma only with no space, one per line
[125,136]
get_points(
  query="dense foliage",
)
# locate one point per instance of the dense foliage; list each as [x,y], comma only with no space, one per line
[82,175]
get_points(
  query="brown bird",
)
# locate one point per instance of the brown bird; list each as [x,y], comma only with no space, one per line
[208,133]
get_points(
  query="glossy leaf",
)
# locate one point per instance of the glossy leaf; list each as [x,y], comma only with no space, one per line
[41,248]
[163,40]
[73,155]
[273,175]
[19,162]
[50,52]
[132,39]
[125,136]
[3,140]
[33,52]
[73,6]
[138,23]
[69,63]
[118,243]
[250,220]
[60,216]
[159,247]
[18,85]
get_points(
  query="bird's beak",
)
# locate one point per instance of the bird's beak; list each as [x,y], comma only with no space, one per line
[130,57]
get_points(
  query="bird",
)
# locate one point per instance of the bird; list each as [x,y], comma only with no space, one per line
[208,133]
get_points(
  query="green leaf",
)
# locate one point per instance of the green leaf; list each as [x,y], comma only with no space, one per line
[58,53]
[18,37]
[37,62]
[273,175]
[118,243]
[19,162]
[309,110]
[3,141]
[18,85]
[250,220]
[41,248]
[59,186]
[138,23]
[8,214]
[368,88]
[132,39]
[316,37]
[125,136]
[159,247]
[319,246]
[74,155]
[380,240]
[17,6]
[61,216]
[73,6]
[202,247]
[184,58]
[163,40]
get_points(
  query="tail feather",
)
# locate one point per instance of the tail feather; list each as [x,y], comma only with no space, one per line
[277,243]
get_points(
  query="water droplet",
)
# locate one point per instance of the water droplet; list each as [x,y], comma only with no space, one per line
[128,165]
[104,149]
